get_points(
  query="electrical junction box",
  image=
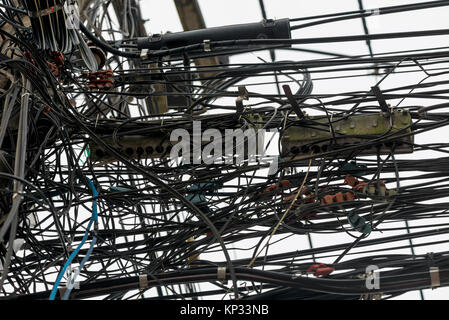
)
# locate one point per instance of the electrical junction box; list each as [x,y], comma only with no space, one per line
[314,135]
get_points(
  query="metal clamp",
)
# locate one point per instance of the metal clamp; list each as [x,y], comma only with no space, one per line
[267,23]
[374,12]
[206,45]
[434,277]
[221,275]
[144,53]
[143,281]
[155,37]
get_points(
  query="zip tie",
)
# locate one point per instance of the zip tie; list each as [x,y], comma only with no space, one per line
[434,277]
[143,281]
[221,275]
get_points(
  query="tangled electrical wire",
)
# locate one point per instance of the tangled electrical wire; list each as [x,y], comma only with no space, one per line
[93,205]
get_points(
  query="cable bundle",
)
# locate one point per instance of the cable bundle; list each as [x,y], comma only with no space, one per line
[160,229]
[55,25]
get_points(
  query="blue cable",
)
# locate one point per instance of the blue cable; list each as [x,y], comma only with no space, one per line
[74,253]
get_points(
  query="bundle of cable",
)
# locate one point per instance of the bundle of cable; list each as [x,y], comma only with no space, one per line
[55,25]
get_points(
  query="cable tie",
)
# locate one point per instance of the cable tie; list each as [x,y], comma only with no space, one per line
[434,277]
[221,275]
[143,281]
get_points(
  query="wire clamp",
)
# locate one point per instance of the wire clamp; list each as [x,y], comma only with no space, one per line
[206,46]
[143,281]
[221,275]
[144,53]
[434,277]
[374,12]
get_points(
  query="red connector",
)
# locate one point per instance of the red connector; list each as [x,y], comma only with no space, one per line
[282,184]
[306,196]
[320,270]
[338,198]
[102,79]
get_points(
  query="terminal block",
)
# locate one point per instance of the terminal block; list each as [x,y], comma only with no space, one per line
[159,146]
[315,136]
[132,147]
